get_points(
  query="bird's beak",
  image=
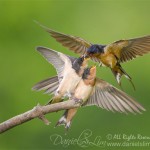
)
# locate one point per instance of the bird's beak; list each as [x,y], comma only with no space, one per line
[93,71]
[93,67]
[86,57]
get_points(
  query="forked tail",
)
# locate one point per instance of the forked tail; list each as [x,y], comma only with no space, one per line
[118,72]
[66,118]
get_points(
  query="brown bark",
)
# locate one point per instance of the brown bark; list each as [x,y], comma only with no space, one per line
[37,112]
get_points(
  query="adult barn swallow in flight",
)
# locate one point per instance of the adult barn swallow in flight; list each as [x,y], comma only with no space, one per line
[94,91]
[69,73]
[110,55]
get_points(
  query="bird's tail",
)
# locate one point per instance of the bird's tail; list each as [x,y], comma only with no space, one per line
[49,85]
[67,117]
[118,72]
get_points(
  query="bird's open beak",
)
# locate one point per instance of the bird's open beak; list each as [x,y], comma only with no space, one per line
[93,71]
[93,67]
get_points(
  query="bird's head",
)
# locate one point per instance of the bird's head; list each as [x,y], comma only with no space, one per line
[95,49]
[82,61]
[80,64]
[89,73]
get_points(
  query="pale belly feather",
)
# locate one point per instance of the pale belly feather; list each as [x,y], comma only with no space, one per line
[69,83]
[83,91]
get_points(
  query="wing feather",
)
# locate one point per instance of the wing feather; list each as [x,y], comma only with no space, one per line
[50,85]
[126,50]
[73,43]
[57,59]
[110,98]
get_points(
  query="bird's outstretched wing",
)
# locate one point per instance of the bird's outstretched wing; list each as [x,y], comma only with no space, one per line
[110,98]
[49,85]
[127,50]
[76,44]
[73,43]
[59,60]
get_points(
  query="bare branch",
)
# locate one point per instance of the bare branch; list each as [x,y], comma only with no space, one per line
[37,112]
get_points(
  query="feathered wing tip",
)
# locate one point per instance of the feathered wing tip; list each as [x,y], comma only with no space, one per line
[73,43]
[49,85]
[42,26]
[135,47]
[112,99]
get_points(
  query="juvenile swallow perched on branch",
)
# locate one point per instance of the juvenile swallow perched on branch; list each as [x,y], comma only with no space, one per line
[69,73]
[94,91]
[110,55]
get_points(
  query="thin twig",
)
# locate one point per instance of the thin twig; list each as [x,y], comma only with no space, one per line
[37,112]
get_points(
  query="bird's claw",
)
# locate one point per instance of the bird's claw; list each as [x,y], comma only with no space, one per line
[80,101]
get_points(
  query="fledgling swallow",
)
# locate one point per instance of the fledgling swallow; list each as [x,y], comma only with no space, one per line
[69,73]
[94,91]
[110,55]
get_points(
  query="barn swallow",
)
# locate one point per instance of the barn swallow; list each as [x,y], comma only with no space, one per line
[69,73]
[110,55]
[94,91]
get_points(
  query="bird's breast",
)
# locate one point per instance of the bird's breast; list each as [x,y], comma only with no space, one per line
[83,91]
[69,83]
[108,59]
